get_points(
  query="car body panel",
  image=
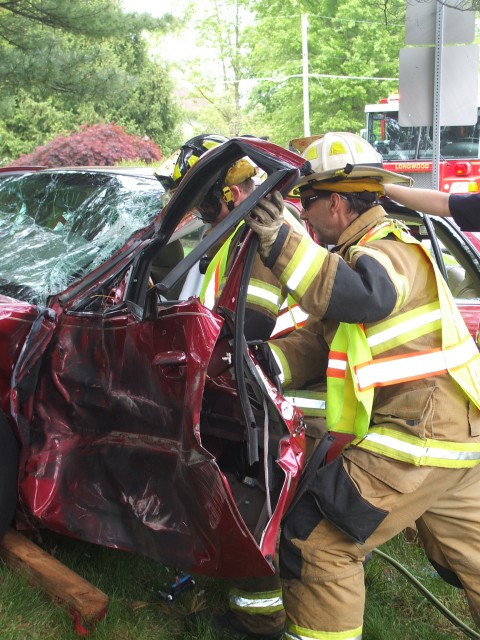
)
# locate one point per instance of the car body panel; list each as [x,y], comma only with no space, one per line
[145,422]
[127,408]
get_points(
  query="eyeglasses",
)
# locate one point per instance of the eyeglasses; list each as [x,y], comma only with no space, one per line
[307,201]
[209,209]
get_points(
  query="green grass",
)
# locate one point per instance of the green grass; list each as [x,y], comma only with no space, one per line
[395,610]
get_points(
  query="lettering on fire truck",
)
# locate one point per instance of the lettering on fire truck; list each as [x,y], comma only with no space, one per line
[412,166]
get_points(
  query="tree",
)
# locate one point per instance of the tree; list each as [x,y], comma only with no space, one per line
[352,45]
[98,145]
[63,64]
[57,46]
[215,95]
[257,83]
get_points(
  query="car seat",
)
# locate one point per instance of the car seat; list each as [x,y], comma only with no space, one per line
[164,261]
[460,283]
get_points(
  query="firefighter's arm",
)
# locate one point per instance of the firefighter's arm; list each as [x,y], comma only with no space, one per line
[429,201]
[293,355]
[366,288]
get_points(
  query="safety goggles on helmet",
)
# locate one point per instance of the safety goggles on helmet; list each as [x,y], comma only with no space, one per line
[191,152]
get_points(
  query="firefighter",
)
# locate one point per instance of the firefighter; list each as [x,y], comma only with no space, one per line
[255,604]
[464,208]
[268,309]
[403,381]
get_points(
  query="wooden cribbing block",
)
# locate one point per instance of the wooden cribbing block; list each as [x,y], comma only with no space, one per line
[87,603]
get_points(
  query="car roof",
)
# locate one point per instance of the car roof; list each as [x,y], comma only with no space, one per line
[147,172]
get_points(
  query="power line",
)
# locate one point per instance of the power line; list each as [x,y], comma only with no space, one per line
[279,79]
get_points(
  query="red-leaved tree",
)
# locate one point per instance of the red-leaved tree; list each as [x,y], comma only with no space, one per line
[96,145]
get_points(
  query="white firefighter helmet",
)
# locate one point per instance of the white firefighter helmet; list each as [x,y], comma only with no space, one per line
[337,156]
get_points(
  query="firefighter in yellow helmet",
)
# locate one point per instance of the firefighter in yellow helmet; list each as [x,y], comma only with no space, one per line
[403,382]
[267,308]
[255,604]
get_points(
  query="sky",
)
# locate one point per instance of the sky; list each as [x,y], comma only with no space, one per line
[155,7]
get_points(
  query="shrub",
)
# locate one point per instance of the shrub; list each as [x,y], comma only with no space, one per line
[95,145]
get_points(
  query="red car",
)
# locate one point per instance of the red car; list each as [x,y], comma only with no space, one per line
[132,416]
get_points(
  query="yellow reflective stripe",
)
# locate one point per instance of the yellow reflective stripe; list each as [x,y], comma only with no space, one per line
[304,266]
[386,371]
[391,322]
[294,632]
[285,373]
[404,328]
[215,273]
[419,451]
[289,318]
[312,403]
[259,603]
[264,295]
[400,281]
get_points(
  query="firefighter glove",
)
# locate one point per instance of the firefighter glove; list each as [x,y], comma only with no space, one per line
[266,219]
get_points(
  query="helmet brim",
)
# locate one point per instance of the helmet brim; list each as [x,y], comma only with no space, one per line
[358,171]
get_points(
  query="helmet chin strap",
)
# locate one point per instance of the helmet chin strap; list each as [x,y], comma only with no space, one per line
[227,196]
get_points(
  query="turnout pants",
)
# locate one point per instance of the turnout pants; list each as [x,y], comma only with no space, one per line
[256,603]
[356,503]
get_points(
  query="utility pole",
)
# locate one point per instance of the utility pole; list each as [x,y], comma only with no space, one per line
[437,84]
[306,96]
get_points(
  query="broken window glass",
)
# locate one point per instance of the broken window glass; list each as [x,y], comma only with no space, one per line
[57,227]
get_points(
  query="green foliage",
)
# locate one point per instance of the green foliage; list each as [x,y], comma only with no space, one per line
[352,45]
[65,64]
[256,85]
[394,608]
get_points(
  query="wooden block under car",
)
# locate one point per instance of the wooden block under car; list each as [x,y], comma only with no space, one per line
[86,603]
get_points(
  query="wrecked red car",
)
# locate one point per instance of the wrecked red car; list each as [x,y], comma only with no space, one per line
[133,416]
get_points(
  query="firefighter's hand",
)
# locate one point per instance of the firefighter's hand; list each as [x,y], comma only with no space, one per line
[266,219]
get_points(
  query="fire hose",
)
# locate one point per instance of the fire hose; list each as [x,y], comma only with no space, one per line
[470,633]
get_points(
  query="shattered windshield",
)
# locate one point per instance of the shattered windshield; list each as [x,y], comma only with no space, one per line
[57,227]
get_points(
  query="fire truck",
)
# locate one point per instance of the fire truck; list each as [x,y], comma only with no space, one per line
[408,150]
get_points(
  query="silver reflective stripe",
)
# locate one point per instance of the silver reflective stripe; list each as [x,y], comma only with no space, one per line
[425,453]
[397,369]
[308,403]
[289,318]
[256,603]
[261,292]
[318,635]
[306,261]
[281,375]
[403,327]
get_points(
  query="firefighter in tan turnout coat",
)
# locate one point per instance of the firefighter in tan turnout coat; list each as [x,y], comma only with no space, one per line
[403,379]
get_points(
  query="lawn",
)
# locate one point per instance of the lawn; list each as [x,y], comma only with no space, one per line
[395,609]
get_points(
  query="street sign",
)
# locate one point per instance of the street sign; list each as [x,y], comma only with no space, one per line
[458,28]
[458,86]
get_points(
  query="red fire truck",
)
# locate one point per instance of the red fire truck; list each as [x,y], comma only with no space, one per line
[408,150]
